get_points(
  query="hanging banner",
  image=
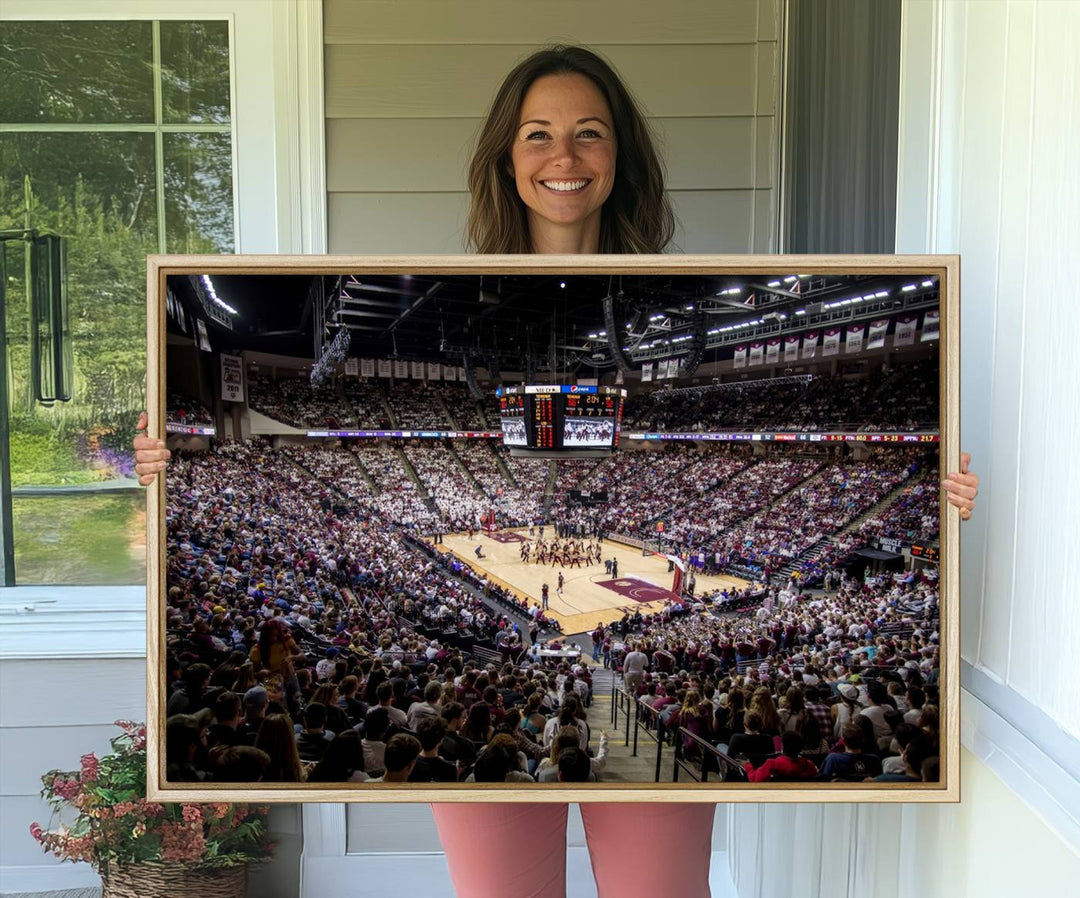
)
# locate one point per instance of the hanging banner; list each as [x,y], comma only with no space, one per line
[619,378]
[740,356]
[904,335]
[417,370]
[367,367]
[204,340]
[352,367]
[875,339]
[449,372]
[854,340]
[830,345]
[791,349]
[434,371]
[809,344]
[757,353]
[384,367]
[931,326]
[461,373]
[646,372]
[232,378]
[772,351]
[401,369]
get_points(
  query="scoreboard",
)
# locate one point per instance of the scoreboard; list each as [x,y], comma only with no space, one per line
[539,419]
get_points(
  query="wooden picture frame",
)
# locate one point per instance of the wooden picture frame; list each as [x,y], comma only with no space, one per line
[942,270]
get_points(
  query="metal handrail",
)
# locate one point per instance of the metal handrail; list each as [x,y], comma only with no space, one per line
[723,761]
[652,724]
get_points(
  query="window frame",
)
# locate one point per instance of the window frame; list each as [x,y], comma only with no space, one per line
[279,201]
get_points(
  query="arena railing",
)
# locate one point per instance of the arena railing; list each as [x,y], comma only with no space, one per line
[621,700]
[649,721]
[712,760]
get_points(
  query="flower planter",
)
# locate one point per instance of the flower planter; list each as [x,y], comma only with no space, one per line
[150,880]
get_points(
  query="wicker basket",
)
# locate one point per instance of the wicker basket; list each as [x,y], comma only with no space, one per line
[149,880]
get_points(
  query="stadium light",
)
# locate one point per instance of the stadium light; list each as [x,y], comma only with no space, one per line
[214,297]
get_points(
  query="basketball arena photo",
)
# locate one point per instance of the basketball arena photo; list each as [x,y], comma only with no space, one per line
[532,528]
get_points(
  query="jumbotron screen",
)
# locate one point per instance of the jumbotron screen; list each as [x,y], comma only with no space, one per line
[551,419]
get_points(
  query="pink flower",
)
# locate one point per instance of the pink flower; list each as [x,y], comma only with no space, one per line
[192,813]
[65,788]
[36,832]
[90,767]
[181,842]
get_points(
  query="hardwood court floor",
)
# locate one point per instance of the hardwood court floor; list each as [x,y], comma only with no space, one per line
[583,602]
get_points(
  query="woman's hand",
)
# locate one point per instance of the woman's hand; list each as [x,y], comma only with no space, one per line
[962,488]
[150,454]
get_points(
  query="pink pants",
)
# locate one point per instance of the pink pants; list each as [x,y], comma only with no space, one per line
[519,850]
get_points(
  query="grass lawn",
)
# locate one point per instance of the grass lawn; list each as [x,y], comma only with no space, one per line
[81,539]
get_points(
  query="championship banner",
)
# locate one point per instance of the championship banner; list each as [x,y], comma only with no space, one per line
[417,370]
[449,372]
[756,353]
[461,373]
[809,344]
[740,356]
[619,377]
[367,367]
[904,335]
[434,371]
[401,369]
[854,341]
[232,378]
[772,351]
[791,349]
[931,326]
[384,367]
[646,372]
[831,344]
[352,367]
[876,338]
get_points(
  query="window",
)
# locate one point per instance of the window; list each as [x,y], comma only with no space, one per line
[118,136]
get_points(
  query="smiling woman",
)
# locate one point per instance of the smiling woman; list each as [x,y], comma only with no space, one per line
[563,116]
[563,162]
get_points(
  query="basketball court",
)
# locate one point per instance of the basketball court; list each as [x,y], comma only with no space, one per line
[589,594]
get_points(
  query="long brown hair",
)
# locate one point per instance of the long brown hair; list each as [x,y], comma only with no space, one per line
[637,216]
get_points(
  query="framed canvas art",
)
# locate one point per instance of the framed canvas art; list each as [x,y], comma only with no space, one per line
[547,528]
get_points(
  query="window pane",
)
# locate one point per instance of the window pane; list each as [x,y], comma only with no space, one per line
[97,190]
[195,71]
[76,72]
[198,193]
[80,539]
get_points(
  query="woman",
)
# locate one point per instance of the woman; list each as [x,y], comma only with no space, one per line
[276,652]
[277,740]
[478,726]
[565,164]
[342,762]
[328,695]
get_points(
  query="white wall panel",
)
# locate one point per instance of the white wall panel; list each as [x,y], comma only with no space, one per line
[978,234]
[1045,621]
[713,221]
[409,80]
[521,22]
[407,84]
[397,222]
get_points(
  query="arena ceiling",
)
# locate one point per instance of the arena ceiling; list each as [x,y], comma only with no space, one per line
[528,319]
